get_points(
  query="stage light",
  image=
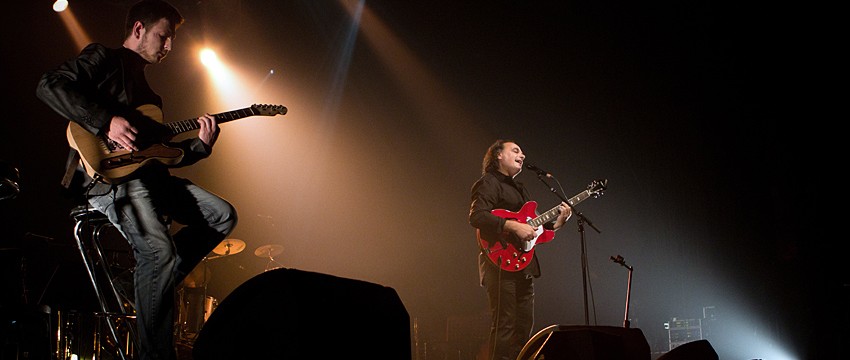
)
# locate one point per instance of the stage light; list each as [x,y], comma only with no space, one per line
[60,5]
[210,59]
[227,88]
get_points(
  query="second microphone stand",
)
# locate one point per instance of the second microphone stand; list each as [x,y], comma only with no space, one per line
[594,189]
[619,260]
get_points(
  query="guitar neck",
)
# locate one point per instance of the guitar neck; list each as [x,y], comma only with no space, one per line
[182,126]
[553,213]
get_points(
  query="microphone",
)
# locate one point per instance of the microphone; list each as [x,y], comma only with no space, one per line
[538,170]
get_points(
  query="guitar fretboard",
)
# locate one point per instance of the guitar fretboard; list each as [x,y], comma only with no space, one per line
[181,126]
[553,213]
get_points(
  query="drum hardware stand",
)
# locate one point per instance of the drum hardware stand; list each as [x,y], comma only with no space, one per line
[270,251]
[185,302]
[619,260]
[226,248]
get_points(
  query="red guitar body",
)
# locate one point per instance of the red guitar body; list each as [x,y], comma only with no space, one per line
[509,253]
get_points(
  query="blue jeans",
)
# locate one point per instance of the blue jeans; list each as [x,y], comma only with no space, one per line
[142,210]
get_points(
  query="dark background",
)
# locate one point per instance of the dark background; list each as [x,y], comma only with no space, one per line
[710,120]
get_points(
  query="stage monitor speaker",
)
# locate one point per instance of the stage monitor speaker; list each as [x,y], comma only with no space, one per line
[576,342]
[293,314]
[694,350]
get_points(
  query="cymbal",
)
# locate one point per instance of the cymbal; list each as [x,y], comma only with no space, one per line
[268,250]
[229,247]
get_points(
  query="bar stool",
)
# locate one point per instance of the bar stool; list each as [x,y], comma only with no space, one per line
[118,316]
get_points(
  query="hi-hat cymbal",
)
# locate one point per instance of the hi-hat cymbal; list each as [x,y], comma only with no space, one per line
[268,250]
[229,247]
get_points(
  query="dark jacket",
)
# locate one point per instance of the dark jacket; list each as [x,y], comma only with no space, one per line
[495,190]
[95,86]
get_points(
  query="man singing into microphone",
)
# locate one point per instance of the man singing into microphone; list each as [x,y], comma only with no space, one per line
[510,293]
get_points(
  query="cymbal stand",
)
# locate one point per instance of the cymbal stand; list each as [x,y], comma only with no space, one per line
[272,261]
[203,301]
[206,268]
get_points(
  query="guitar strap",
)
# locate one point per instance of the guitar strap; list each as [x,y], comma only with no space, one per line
[70,168]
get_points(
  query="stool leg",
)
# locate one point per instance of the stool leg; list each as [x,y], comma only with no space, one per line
[98,250]
[110,281]
[78,229]
[90,269]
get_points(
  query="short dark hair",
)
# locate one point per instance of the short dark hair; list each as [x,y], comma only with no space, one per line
[491,157]
[150,11]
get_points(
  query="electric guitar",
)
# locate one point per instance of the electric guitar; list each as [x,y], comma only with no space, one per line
[114,164]
[512,254]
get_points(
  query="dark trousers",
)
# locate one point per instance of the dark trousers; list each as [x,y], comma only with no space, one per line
[511,299]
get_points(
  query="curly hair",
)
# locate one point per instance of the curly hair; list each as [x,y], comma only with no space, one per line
[491,157]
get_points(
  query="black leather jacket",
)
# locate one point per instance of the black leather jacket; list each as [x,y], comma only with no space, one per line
[98,84]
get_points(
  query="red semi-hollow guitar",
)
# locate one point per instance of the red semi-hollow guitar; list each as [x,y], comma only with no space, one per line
[512,254]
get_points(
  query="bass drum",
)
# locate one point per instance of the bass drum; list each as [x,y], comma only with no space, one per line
[195,310]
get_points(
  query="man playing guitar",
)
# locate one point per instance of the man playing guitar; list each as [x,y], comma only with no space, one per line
[98,90]
[510,293]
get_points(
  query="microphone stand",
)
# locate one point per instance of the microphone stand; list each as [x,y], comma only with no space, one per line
[619,260]
[581,221]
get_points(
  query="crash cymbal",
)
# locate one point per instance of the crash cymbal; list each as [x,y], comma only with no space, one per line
[229,247]
[268,251]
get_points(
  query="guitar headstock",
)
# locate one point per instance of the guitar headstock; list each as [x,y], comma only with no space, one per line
[597,187]
[269,110]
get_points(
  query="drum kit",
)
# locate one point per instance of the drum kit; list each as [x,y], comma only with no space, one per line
[195,305]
